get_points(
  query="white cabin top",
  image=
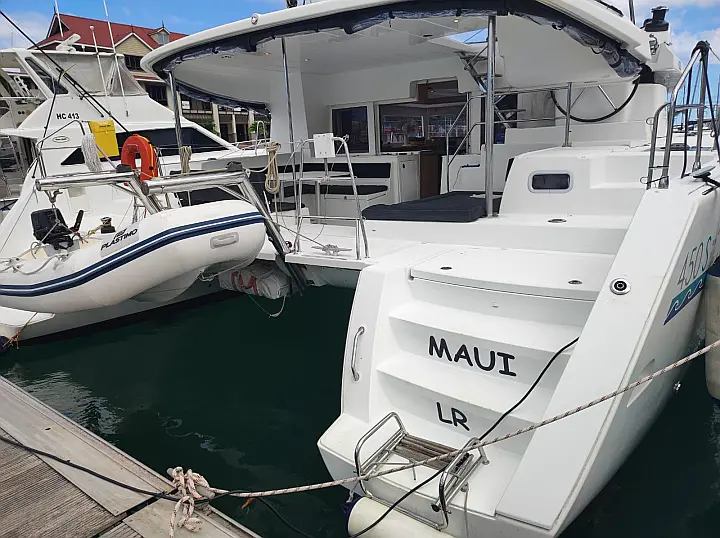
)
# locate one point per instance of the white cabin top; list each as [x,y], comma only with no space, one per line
[579,41]
[345,53]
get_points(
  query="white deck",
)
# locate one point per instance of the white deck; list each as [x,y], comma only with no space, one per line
[315,235]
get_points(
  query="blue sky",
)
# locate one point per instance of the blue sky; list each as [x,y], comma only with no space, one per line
[691,20]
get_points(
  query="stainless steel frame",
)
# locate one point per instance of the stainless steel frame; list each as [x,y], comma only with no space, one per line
[176,109]
[359,220]
[671,108]
[453,478]
[568,113]
[39,144]
[291,128]
[490,113]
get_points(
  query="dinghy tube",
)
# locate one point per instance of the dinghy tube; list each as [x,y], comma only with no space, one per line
[154,259]
[712,329]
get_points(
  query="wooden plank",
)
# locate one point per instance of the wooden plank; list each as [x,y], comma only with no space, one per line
[120,531]
[36,501]
[33,423]
[154,520]
[40,497]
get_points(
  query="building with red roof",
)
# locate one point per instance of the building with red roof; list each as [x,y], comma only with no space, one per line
[134,42]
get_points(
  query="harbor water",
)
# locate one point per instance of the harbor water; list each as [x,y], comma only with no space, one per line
[241,398]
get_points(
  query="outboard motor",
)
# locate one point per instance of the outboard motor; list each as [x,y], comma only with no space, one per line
[49,228]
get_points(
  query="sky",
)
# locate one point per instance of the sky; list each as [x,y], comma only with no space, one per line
[691,20]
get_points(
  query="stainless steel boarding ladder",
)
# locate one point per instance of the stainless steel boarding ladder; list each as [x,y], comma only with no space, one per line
[672,109]
[456,471]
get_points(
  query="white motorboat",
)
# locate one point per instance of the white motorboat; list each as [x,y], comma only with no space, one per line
[538,261]
[48,100]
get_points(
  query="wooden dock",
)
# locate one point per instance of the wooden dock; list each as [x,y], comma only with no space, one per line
[42,498]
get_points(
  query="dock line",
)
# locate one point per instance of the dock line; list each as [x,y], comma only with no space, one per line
[323,485]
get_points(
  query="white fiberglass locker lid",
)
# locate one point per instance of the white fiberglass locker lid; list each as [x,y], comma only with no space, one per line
[540,42]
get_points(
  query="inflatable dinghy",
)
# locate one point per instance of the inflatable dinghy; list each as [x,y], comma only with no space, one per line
[107,269]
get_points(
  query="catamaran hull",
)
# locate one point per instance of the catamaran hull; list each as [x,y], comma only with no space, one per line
[646,316]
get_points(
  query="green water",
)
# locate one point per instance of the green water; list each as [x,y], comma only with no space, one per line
[241,398]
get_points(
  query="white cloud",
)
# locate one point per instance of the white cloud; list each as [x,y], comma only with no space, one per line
[33,23]
[684,42]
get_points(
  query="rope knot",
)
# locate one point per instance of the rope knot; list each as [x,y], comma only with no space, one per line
[190,487]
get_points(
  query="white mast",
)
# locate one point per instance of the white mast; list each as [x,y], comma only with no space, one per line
[102,75]
[117,64]
[57,12]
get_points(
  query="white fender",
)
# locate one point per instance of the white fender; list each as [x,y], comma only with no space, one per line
[162,253]
[395,525]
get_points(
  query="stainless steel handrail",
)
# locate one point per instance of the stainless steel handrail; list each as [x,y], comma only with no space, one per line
[93,179]
[672,107]
[192,183]
[444,496]
[372,431]
[297,190]
[39,144]
[353,358]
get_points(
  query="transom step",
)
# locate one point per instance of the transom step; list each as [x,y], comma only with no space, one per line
[417,449]
[456,469]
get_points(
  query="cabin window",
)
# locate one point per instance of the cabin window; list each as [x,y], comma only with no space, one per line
[550,181]
[164,140]
[132,62]
[352,122]
[157,93]
[52,84]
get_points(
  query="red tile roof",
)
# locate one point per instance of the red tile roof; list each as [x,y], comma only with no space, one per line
[81,26]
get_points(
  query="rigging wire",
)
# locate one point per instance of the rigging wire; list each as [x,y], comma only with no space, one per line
[84,93]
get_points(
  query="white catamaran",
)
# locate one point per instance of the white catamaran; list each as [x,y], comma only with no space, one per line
[524,233]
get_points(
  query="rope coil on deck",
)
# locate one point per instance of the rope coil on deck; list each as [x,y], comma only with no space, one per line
[187,485]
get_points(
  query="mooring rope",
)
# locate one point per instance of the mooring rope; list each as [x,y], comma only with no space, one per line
[192,487]
[187,485]
[411,465]
[185,156]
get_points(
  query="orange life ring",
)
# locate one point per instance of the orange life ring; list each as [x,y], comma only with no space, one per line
[134,145]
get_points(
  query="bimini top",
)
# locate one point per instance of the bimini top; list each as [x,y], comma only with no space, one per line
[540,42]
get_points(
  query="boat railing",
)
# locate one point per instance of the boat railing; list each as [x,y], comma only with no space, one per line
[499,118]
[145,191]
[361,232]
[256,145]
[39,145]
[671,109]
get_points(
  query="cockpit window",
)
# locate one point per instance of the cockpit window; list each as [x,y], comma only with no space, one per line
[164,140]
[53,84]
